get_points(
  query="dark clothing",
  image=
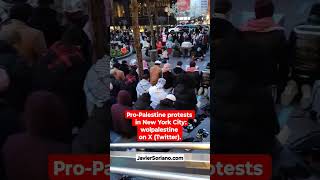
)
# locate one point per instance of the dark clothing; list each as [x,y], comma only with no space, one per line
[45,20]
[169,77]
[196,78]
[268,57]
[178,70]
[9,121]
[243,106]
[19,73]
[62,71]
[186,97]
[119,123]
[143,103]
[221,29]
[165,104]
[125,68]
[131,84]
[26,156]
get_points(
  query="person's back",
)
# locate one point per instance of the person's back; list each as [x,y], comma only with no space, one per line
[45,19]
[165,104]
[119,123]
[155,72]
[29,42]
[243,104]
[25,155]
[185,93]
[63,71]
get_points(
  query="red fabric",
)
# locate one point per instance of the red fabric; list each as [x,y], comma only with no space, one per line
[169,51]
[261,25]
[64,54]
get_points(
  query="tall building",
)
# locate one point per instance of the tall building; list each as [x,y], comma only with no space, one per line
[204,7]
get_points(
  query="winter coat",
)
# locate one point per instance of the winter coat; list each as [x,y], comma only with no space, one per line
[186,97]
[63,71]
[245,118]
[119,123]
[45,20]
[9,120]
[166,104]
[30,43]
[268,54]
[19,73]
[155,72]
[169,77]
[143,102]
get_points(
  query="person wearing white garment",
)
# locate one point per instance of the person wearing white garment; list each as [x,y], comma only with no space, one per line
[157,93]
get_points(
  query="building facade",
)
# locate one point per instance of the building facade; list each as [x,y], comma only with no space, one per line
[121,15]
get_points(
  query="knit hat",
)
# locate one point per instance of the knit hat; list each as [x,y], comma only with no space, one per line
[222,6]
[4,80]
[171,97]
[314,16]
[264,8]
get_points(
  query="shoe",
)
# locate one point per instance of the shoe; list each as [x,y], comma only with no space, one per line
[200,91]
[289,93]
[305,101]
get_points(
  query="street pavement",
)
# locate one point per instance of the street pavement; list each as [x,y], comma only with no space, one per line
[173,60]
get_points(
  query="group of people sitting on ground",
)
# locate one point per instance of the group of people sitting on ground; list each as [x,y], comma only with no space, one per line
[160,88]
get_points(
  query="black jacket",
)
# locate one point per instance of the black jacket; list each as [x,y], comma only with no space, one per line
[186,97]
[143,103]
[19,74]
[166,104]
[268,56]
[244,114]
[45,20]
[169,77]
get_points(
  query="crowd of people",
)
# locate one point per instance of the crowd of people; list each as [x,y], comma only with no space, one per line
[192,42]
[120,43]
[256,67]
[47,84]
[161,87]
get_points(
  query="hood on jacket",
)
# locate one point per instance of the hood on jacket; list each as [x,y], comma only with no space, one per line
[45,116]
[124,98]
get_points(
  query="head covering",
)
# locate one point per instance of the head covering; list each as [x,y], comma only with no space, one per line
[264,8]
[45,115]
[157,62]
[314,16]
[171,97]
[161,83]
[4,80]
[166,67]
[124,98]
